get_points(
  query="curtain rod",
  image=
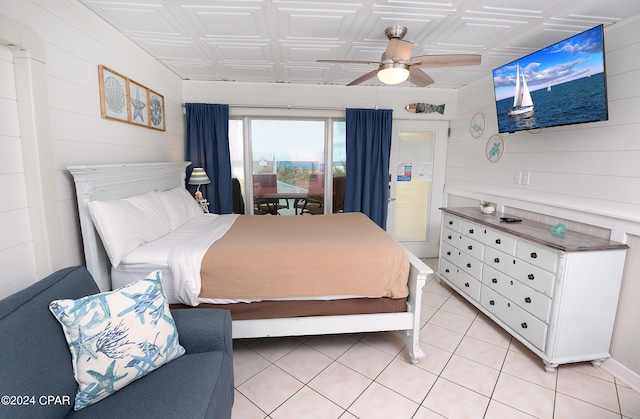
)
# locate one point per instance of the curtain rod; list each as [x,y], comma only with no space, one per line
[312,108]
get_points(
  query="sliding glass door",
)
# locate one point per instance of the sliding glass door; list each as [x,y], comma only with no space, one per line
[281,164]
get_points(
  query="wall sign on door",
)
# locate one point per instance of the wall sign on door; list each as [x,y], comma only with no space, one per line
[405,171]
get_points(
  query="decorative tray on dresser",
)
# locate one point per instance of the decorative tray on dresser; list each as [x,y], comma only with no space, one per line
[557,294]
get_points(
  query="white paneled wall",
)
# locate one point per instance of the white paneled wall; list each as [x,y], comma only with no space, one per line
[590,167]
[69,43]
[626,337]
[16,244]
[588,173]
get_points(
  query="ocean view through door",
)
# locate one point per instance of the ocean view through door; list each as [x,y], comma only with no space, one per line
[416,173]
[280,164]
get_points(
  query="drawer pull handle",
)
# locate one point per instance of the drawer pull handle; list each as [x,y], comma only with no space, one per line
[497,241]
[497,260]
[450,222]
[534,255]
[446,270]
[523,325]
[466,284]
[470,247]
[527,300]
[492,303]
[449,237]
[531,277]
[470,231]
[468,265]
[448,253]
[494,280]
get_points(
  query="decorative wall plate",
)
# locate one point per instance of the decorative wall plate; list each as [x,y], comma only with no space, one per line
[477,124]
[495,147]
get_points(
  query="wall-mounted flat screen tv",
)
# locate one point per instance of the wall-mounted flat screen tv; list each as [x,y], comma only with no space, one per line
[562,84]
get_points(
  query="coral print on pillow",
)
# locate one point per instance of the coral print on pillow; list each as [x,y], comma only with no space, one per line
[117,337]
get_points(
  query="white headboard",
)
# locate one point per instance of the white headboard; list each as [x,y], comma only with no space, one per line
[114,181]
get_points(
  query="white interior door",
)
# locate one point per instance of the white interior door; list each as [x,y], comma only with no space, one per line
[417,169]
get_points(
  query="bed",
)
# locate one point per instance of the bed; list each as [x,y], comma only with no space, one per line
[293,309]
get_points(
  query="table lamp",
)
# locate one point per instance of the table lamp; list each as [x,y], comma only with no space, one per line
[198,177]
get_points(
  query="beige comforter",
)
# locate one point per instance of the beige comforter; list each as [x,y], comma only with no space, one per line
[273,257]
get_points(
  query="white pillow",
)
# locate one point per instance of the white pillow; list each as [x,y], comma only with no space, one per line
[125,224]
[180,206]
[157,216]
[117,337]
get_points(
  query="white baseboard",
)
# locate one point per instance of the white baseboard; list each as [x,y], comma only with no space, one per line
[623,373]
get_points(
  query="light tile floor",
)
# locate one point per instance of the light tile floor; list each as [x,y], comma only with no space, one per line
[472,369]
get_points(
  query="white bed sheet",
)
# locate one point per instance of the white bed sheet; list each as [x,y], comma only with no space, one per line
[177,255]
[155,256]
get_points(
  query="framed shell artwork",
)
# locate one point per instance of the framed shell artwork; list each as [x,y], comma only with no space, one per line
[125,100]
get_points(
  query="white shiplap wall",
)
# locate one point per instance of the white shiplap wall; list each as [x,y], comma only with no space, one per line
[590,167]
[16,242]
[70,43]
[588,173]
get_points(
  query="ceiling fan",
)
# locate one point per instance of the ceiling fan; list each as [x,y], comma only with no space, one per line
[397,64]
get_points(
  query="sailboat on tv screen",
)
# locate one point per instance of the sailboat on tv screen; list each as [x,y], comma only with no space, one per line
[522,102]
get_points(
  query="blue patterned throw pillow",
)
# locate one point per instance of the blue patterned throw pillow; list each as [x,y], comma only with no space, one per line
[117,337]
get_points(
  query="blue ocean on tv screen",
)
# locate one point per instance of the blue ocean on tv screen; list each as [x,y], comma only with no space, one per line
[572,102]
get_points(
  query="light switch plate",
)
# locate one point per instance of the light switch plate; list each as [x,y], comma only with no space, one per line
[516,177]
[525,178]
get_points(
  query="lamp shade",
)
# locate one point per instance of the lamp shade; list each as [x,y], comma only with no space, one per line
[393,73]
[199,177]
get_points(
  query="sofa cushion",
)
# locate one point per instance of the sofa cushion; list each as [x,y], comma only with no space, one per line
[196,385]
[117,337]
[34,358]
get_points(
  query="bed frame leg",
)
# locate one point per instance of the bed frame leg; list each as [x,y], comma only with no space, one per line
[413,345]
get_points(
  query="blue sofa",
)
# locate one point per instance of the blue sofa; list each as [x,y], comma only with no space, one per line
[36,376]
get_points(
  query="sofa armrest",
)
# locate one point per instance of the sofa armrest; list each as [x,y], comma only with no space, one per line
[204,329]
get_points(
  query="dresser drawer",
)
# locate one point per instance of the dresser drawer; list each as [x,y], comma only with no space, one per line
[471,247]
[462,280]
[473,230]
[451,253]
[466,244]
[532,276]
[454,223]
[522,322]
[498,240]
[538,256]
[450,236]
[532,301]
[462,260]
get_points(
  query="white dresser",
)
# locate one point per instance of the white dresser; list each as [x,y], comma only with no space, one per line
[557,295]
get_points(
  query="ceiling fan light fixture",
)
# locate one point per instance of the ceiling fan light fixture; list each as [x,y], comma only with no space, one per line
[393,73]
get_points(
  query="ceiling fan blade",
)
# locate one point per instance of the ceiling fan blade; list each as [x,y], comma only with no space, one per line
[347,62]
[451,60]
[398,50]
[364,77]
[419,77]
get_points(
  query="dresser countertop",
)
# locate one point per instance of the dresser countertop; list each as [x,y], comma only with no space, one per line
[536,232]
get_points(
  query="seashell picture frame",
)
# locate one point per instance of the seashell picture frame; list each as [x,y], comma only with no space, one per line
[125,100]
